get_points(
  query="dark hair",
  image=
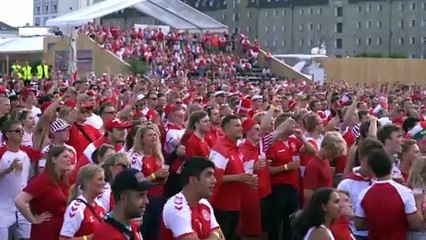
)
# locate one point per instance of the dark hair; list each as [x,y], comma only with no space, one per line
[386,131]
[226,120]
[409,123]
[103,106]
[8,125]
[365,126]
[24,114]
[130,138]
[362,113]
[367,146]
[193,167]
[313,215]
[195,118]
[100,152]
[380,163]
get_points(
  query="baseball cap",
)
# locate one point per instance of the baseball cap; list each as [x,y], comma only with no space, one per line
[247,124]
[116,123]
[58,125]
[172,107]
[131,179]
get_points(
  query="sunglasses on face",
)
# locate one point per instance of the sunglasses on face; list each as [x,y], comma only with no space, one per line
[17,130]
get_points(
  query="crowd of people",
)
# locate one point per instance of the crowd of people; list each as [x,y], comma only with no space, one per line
[191,156]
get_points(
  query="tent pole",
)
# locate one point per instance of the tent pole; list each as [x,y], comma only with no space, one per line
[7,64]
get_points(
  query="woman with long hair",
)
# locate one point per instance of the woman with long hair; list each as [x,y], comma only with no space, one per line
[410,152]
[102,153]
[147,157]
[417,181]
[44,201]
[84,213]
[315,220]
[113,165]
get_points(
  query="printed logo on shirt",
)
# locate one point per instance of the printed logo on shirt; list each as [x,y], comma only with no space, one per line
[206,214]
[293,147]
[74,209]
[178,201]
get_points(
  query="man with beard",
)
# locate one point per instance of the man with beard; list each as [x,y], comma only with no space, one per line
[130,194]
[188,214]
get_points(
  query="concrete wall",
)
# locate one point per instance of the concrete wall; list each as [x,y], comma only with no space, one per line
[370,70]
[101,59]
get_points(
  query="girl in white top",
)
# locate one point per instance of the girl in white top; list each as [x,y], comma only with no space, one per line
[314,221]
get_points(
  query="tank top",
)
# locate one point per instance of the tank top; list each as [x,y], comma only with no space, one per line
[308,234]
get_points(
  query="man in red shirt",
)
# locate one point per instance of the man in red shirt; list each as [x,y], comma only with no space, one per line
[129,190]
[215,131]
[188,215]
[150,111]
[386,208]
[197,145]
[229,172]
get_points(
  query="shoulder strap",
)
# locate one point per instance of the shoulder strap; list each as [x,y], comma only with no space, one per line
[120,227]
[80,128]
[90,208]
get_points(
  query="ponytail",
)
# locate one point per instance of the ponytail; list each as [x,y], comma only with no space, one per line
[73,193]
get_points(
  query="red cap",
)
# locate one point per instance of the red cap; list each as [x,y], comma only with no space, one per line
[247,124]
[172,107]
[116,123]
[27,92]
[70,103]
[45,106]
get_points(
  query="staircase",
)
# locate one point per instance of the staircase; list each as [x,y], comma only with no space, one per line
[255,75]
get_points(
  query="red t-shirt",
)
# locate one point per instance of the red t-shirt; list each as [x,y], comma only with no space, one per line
[47,197]
[107,231]
[284,152]
[197,147]
[317,174]
[149,166]
[78,140]
[340,229]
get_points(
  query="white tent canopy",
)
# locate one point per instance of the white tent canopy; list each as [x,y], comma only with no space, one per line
[22,45]
[172,12]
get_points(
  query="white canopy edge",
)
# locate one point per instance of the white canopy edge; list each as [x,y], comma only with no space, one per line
[23,45]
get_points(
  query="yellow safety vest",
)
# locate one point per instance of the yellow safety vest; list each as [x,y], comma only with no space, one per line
[16,69]
[42,69]
[28,76]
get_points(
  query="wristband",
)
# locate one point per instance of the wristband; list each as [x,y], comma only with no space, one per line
[285,167]
[85,238]
[153,176]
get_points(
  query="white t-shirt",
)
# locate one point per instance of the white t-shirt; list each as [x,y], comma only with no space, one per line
[36,111]
[95,121]
[27,139]
[105,198]
[12,184]
[308,234]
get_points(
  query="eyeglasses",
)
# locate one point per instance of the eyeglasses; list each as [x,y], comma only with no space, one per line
[112,112]
[123,165]
[17,130]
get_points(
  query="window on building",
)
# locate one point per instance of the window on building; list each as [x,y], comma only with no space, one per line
[266,29]
[339,43]
[301,42]
[319,11]
[282,43]
[424,40]
[45,9]
[310,42]
[283,12]
[339,27]
[282,28]
[379,41]
[359,9]
[401,7]
[310,26]
[357,41]
[267,13]
[37,21]
[379,7]
[319,26]
[379,24]
[413,55]
[236,30]
[424,5]
[223,16]
[368,24]
[368,42]
[413,6]
[210,3]
[358,25]
[248,29]
[274,43]
[412,40]
[401,41]
[276,13]
[369,8]
[301,11]
[423,24]
[236,17]
[401,23]
[37,11]
[300,27]
[274,28]
[248,14]
[413,23]
[266,43]
[54,8]
[339,12]
[311,11]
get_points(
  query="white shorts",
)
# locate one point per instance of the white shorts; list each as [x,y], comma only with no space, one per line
[19,229]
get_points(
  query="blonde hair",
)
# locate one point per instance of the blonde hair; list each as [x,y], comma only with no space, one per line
[85,174]
[112,160]
[139,146]
[335,142]
[417,175]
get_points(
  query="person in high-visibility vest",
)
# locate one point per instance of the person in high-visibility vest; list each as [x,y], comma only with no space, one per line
[17,69]
[27,74]
[42,71]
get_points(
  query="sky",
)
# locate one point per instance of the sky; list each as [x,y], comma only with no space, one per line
[16,12]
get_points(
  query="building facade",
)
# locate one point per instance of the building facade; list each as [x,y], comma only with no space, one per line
[345,27]
[47,9]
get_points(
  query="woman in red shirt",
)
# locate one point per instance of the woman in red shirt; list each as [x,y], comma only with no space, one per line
[146,156]
[318,173]
[84,213]
[46,194]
